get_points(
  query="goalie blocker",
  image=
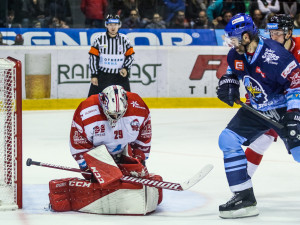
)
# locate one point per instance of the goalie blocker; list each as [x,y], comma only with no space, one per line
[106,193]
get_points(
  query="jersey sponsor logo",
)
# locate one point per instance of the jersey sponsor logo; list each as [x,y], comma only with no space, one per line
[239,65]
[295,80]
[89,112]
[255,90]
[147,131]
[79,183]
[293,96]
[240,19]
[289,69]
[78,139]
[117,149]
[272,114]
[272,26]
[77,126]
[258,70]
[99,131]
[135,104]
[135,125]
[270,57]
[97,175]
[111,61]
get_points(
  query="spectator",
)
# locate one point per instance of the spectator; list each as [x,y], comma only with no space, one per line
[33,12]
[63,24]
[172,6]
[289,7]
[258,19]
[202,21]
[122,7]
[268,6]
[297,21]
[17,6]
[1,39]
[55,23]
[58,8]
[179,21]
[36,24]
[157,22]
[225,19]
[193,7]
[94,11]
[148,8]
[219,7]
[133,21]
[19,40]
[10,20]
[250,6]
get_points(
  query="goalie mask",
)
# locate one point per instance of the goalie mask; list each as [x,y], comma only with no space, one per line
[113,100]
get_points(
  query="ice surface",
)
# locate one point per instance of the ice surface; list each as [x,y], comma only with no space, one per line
[183,141]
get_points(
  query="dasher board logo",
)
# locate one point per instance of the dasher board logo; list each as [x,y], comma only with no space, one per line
[239,65]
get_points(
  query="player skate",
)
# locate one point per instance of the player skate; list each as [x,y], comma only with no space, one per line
[242,204]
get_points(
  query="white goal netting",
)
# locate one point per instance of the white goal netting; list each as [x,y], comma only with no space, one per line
[8,174]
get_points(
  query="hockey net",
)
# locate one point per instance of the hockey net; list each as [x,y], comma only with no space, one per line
[10,134]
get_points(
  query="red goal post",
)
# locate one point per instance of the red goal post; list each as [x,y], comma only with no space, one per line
[10,133]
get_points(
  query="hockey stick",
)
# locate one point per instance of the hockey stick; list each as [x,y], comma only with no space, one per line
[261,115]
[136,180]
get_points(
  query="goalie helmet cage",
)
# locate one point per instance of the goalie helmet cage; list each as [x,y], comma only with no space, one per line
[10,134]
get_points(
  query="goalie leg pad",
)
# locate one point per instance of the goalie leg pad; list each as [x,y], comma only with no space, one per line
[59,195]
[125,202]
[160,190]
[119,198]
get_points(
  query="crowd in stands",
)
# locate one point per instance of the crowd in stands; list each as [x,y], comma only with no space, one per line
[156,14]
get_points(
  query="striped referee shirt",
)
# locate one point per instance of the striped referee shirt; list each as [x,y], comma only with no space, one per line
[110,54]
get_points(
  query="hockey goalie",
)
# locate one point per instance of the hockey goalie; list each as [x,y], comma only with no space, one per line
[110,137]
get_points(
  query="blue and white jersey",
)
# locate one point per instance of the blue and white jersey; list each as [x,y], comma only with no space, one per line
[271,77]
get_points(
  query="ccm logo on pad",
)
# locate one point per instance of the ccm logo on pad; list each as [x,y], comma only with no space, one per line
[239,65]
[97,175]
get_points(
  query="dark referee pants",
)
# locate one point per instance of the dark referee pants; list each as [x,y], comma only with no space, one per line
[107,79]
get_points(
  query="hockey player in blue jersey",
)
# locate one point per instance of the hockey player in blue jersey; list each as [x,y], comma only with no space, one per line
[271,77]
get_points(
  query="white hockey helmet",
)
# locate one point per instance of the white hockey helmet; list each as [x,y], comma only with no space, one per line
[113,100]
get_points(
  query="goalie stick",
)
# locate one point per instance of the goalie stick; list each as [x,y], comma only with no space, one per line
[137,180]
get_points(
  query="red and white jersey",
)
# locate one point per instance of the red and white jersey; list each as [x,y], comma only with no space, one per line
[295,48]
[90,128]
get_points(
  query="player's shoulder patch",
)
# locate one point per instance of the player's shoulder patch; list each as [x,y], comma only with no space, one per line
[89,107]
[135,101]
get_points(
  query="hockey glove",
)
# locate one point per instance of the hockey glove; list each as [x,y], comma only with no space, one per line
[291,121]
[87,174]
[228,89]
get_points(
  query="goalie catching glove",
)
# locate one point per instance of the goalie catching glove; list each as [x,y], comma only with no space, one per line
[228,89]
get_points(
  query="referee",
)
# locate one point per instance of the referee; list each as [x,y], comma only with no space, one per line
[111,57]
